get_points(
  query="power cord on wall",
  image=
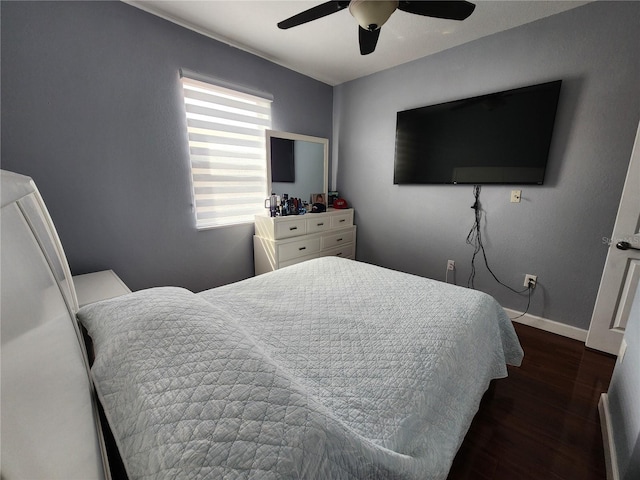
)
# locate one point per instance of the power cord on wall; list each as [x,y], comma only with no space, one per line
[475,240]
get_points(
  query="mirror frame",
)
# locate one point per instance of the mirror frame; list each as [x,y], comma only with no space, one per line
[269,134]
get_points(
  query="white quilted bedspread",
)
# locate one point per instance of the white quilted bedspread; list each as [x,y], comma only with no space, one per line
[330,369]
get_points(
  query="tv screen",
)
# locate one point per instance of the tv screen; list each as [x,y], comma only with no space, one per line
[283,167]
[500,138]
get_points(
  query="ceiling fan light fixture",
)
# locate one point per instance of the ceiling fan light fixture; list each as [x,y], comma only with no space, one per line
[372,14]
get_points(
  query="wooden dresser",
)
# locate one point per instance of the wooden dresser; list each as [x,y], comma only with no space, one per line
[282,241]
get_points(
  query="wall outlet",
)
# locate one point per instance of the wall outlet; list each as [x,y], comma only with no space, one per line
[530,278]
[451,265]
[516,195]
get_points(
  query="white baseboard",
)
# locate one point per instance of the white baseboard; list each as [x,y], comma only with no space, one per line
[610,458]
[548,325]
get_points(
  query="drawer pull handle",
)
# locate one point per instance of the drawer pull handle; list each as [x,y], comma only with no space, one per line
[302,248]
[338,254]
[293,228]
[339,240]
[320,224]
[342,220]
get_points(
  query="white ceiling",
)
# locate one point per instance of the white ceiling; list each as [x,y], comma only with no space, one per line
[327,49]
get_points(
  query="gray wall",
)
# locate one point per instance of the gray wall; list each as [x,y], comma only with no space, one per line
[556,231]
[91,109]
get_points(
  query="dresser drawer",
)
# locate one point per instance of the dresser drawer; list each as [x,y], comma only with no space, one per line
[342,219]
[299,248]
[331,240]
[318,224]
[290,228]
[345,251]
[298,260]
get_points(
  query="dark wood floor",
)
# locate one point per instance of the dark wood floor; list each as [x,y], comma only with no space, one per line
[542,421]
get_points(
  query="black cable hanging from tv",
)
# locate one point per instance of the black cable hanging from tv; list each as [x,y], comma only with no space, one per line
[474,238]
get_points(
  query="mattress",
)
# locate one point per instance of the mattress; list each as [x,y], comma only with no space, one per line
[328,369]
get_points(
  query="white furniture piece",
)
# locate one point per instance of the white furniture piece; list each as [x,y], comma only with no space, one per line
[282,241]
[96,286]
[49,420]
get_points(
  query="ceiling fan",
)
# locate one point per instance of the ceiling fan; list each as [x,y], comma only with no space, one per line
[372,14]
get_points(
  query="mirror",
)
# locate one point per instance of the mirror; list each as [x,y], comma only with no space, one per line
[297,165]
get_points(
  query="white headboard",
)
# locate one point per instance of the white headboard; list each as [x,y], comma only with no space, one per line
[49,424]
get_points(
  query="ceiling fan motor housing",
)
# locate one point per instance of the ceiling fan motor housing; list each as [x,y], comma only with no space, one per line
[372,14]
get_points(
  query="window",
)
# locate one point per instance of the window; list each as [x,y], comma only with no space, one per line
[226,131]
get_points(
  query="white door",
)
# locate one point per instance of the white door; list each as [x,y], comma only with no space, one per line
[622,268]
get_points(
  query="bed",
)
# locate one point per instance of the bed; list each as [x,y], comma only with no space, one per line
[329,369]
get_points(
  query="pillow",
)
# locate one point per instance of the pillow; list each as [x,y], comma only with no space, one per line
[188,394]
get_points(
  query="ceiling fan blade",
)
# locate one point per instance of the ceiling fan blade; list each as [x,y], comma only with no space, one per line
[452,10]
[314,13]
[368,40]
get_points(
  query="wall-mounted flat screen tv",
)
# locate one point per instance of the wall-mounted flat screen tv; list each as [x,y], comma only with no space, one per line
[500,138]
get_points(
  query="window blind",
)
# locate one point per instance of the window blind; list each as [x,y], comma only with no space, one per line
[226,133]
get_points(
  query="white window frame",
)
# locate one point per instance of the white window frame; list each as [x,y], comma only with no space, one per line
[226,135]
